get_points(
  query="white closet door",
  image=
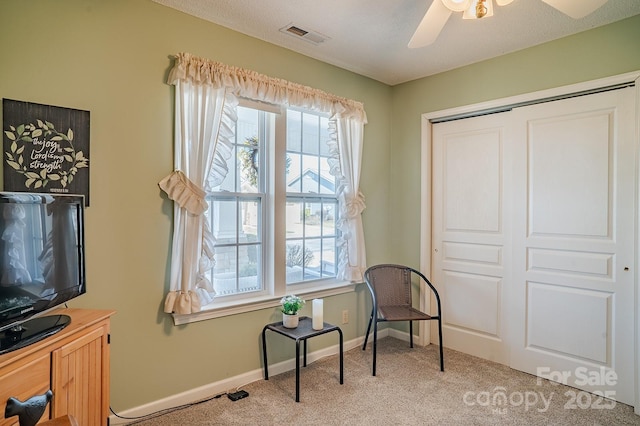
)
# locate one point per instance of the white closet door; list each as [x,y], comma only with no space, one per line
[573,261]
[471,225]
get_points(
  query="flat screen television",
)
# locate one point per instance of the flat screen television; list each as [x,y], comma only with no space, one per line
[42,264]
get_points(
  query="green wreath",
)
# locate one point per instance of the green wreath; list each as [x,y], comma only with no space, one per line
[249,160]
[27,133]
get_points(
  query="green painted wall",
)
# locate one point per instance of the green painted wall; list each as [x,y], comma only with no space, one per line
[601,52]
[112,58]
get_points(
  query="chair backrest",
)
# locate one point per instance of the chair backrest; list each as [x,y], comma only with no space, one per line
[390,284]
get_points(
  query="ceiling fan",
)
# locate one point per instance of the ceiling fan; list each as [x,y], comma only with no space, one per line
[440,10]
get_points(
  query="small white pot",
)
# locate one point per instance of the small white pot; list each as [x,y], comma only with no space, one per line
[290,321]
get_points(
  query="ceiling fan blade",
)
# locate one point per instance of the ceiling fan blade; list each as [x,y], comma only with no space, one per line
[576,8]
[431,25]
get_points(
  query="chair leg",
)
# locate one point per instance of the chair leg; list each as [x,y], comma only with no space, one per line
[440,339]
[375,342]
[366,336]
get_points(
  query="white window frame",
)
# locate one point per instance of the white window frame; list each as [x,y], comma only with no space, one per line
[274,247]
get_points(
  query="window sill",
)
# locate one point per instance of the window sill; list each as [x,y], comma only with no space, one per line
[219,310]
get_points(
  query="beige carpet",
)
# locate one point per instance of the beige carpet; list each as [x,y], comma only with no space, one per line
[408,390]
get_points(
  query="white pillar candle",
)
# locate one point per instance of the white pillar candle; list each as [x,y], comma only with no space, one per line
[317,322]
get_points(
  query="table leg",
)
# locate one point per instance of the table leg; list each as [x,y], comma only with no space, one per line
[274,327]
[298,370]
[305,353]
[264,354]
[341,358]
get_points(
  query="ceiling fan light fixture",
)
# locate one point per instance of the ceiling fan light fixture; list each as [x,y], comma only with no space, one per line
[439,12]
[457,5]
[479,9]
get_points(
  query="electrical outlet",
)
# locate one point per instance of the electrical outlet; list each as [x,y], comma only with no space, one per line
[345,316]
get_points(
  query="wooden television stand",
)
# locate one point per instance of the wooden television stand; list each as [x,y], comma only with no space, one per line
[73,363]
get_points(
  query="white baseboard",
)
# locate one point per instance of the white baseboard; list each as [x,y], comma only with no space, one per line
[232,384]
[397,334]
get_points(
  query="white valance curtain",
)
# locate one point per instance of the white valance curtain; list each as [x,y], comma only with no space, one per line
[205,102]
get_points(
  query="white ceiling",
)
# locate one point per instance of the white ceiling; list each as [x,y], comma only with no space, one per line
[370,37]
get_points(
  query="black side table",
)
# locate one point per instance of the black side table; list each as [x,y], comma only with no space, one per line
[303,332]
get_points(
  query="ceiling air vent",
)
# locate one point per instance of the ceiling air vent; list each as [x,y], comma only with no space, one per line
[306,35]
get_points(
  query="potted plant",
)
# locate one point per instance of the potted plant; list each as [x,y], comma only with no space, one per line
[290,305]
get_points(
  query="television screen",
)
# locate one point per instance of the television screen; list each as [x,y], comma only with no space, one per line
[41,254]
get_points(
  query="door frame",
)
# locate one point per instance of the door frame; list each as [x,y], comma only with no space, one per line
[426,195]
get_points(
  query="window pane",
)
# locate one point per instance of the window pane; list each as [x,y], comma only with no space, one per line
[327,180]
[311,200]
[312,270]
[294,219]
[247,124]
[249,165]
[329,218]
[294,130]
[235,247]
[250,214]
[240,249]
[295,261]
[229,182]
[293,173]
[247,150]
[224,221]
[249,270]
[310,175]
[224,271]
[324,136]
[310,134]
[312,223]
[329,267]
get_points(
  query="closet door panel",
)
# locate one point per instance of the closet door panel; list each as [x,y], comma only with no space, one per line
[573,270]
[470,229]
[533,227]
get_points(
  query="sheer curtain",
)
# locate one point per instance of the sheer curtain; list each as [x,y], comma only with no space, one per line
[206,97]
[203,126]
[346,144]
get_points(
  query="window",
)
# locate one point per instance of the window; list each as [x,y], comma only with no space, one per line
[263,206]
[236,208]
[279,163]
[312,205]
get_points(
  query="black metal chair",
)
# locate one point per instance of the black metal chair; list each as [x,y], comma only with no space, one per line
[390,288]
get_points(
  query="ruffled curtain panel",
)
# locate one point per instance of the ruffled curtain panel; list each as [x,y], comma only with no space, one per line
[206,97]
